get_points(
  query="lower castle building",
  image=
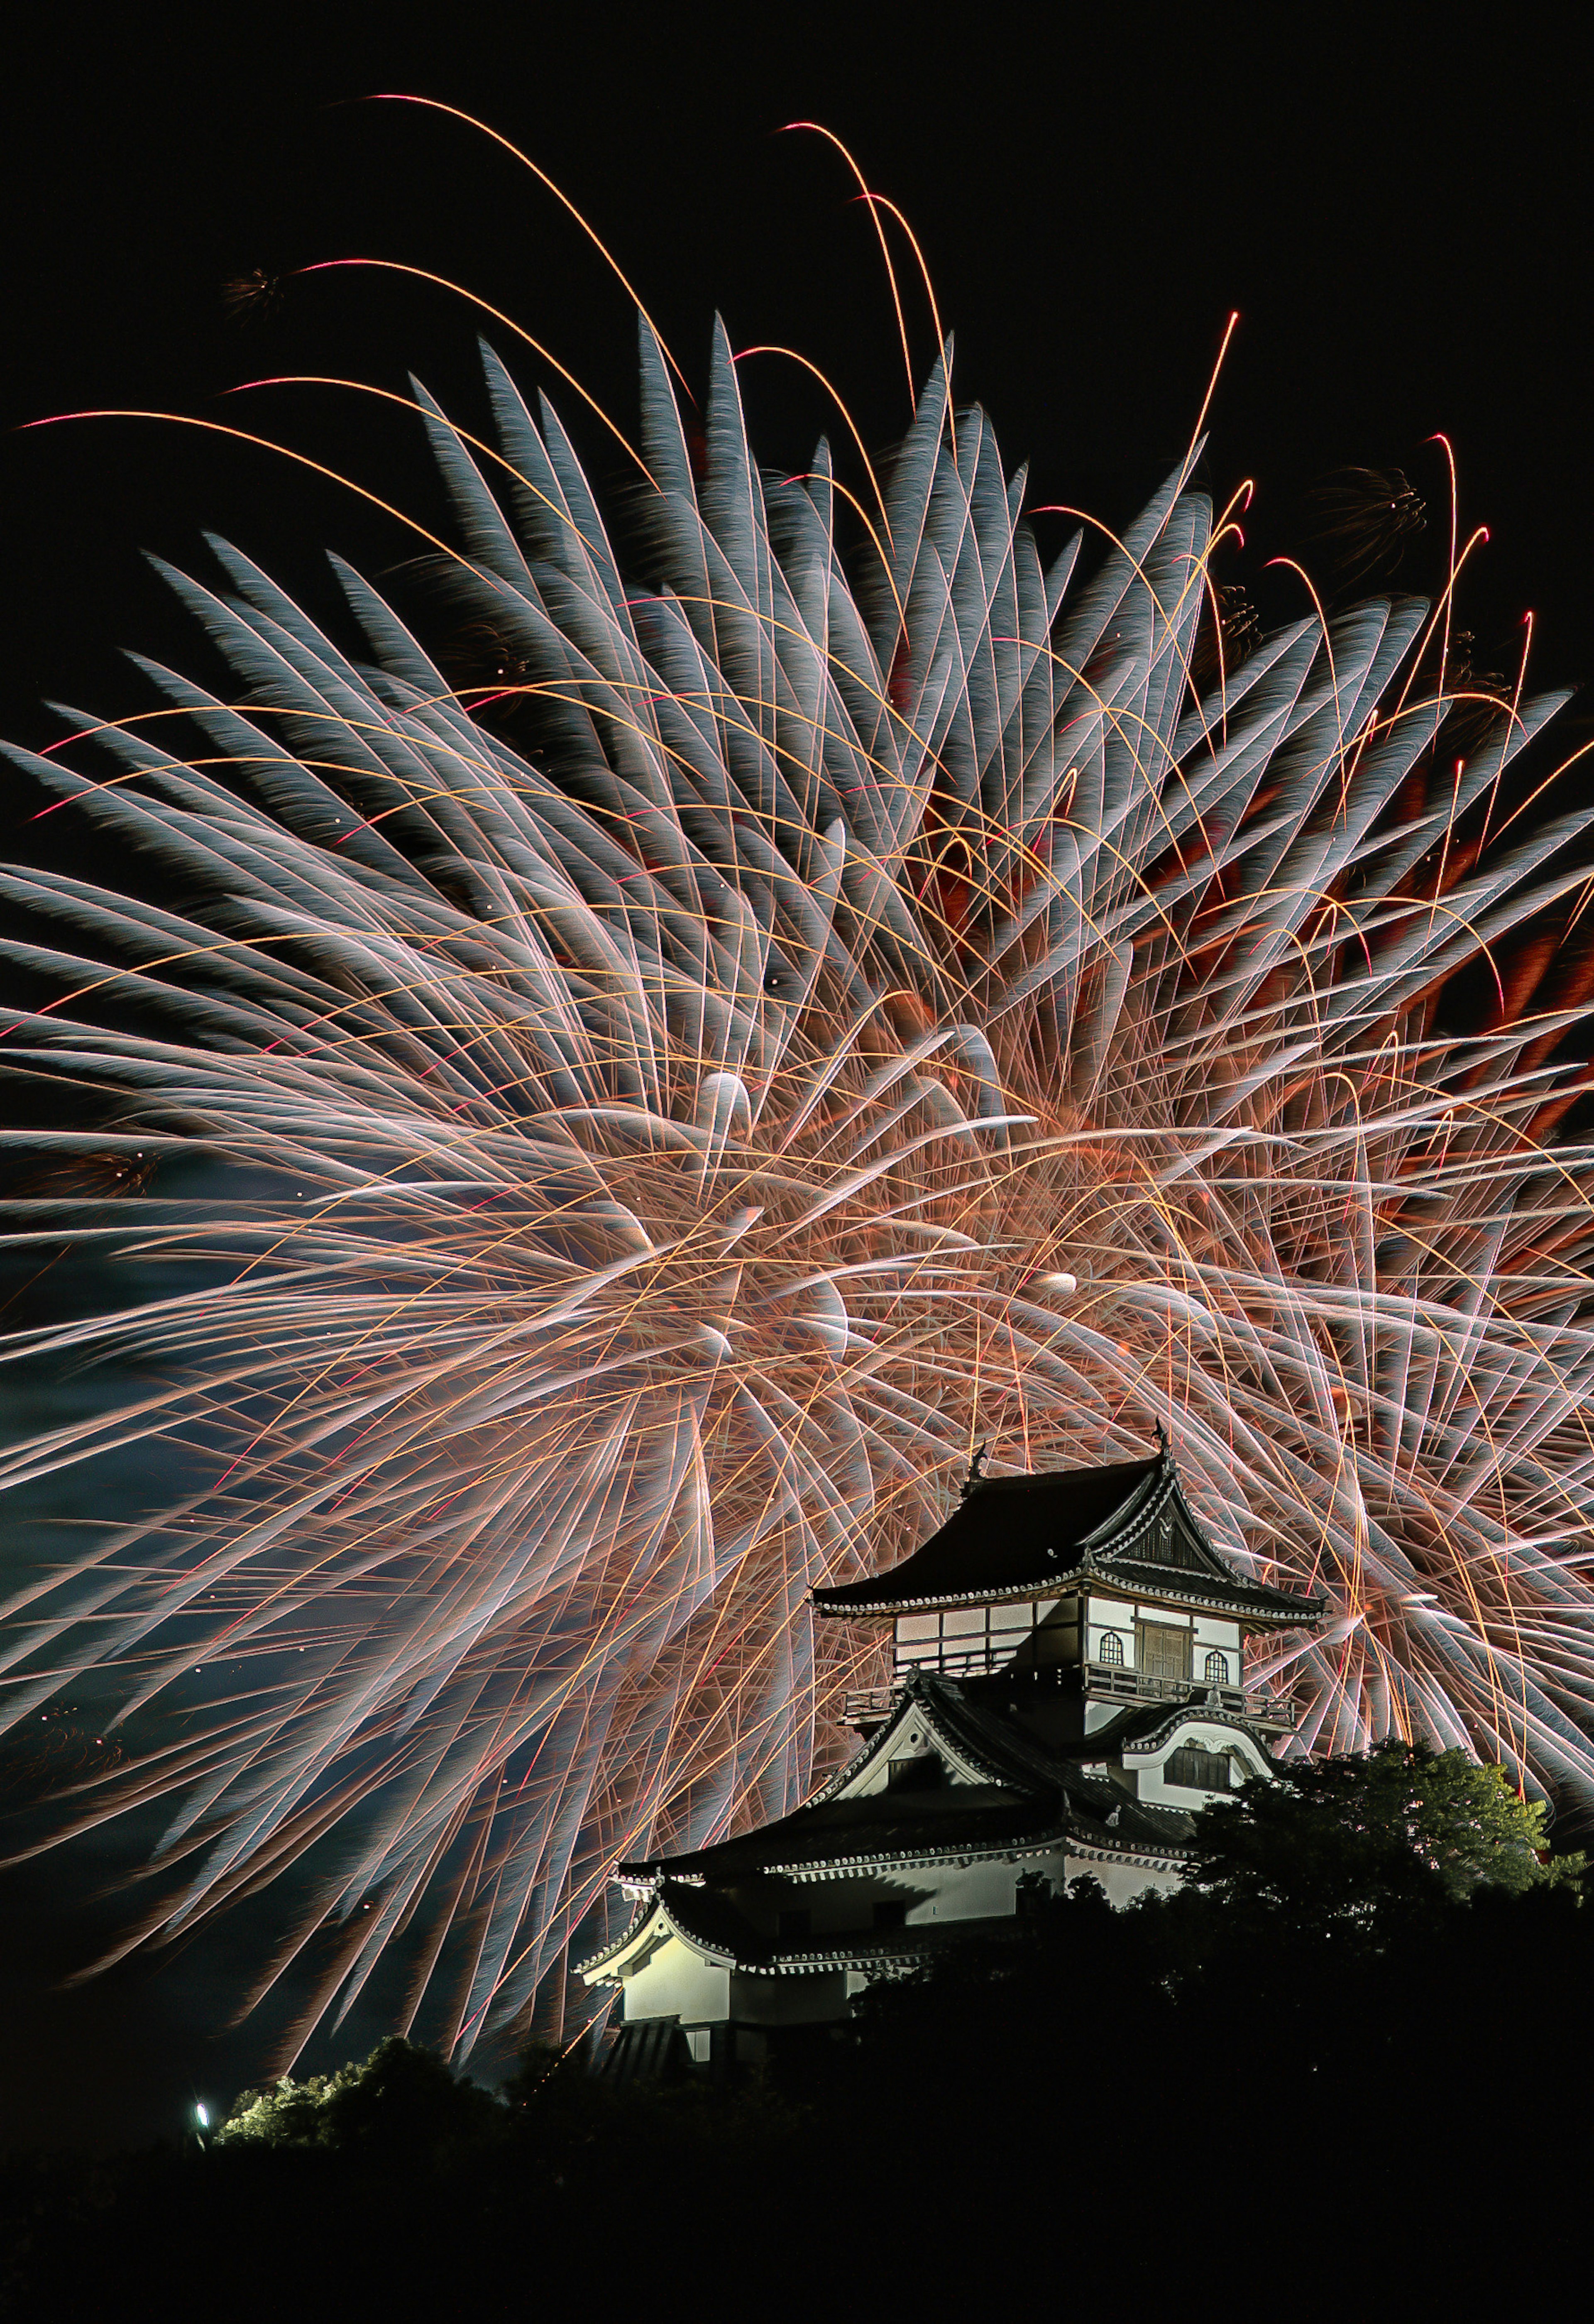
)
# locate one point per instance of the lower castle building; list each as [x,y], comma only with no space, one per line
[1067,1691]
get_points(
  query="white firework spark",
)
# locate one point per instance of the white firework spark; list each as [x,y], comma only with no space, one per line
[884,1011]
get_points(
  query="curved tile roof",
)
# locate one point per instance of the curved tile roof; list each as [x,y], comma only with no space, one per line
[1034,1536]
[1006,1530]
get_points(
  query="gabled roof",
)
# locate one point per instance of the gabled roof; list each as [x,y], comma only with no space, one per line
[1125,1527]
[1027,1799]
[1007,1535]
[707,1918]
[965,1819]
[691,1913]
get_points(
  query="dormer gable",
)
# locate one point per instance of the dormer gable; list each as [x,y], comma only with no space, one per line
[1165,1532]
[914,1748]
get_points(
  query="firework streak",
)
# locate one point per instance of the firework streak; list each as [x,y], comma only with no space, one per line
[882,1006]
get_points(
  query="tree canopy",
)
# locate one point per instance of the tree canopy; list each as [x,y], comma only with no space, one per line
[401,2095]
[1341,2013]
[1345,1839]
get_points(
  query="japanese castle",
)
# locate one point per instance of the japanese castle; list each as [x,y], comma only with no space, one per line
[1067,1691]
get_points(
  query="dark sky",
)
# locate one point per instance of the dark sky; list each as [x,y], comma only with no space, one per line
[1404,222]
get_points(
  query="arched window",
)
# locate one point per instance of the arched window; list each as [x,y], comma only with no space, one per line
[1111,1647]
[1218,1669]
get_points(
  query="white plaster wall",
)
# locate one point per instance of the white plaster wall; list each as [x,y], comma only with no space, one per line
[1122,1882]
[1058,1631]
[984,1891]
[1210,1632]
[962,1893]
[871,1779]
[931,1892]
[1115,1611]
[1220,1638]
[679,1983]
[918,1639]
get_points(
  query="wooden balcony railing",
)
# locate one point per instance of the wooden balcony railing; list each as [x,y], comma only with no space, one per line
[1100,1682]
[1112,1683]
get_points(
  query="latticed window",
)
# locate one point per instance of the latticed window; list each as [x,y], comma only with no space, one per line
[1111,1647]
[1218,1669]
[1202,1771]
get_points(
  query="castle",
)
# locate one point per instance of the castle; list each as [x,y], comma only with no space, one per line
[1067,1691]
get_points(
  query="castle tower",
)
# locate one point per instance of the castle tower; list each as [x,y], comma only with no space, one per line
[1067,1689]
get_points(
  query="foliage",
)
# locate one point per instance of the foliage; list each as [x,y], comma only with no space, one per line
[1376,1936]
[400,2097]
[1344,1838]
[1175,2058]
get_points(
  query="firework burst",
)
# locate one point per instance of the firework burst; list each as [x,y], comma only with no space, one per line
[879,1001]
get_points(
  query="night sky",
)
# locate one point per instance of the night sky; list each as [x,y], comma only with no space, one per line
[1404,223]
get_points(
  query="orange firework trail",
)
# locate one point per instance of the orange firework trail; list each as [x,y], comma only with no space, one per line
[895,1004]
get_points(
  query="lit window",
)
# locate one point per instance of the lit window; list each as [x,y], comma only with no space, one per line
[1218,1669]
[1111,1647]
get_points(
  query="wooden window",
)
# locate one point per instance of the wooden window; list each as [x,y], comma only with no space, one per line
[1202,1771]
[1217,1669]
[1164,1652]
[1111,1647]
[794,1924]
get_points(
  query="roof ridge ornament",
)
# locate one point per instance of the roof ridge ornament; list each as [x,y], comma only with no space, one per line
[1164,1446]
[976,1470]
